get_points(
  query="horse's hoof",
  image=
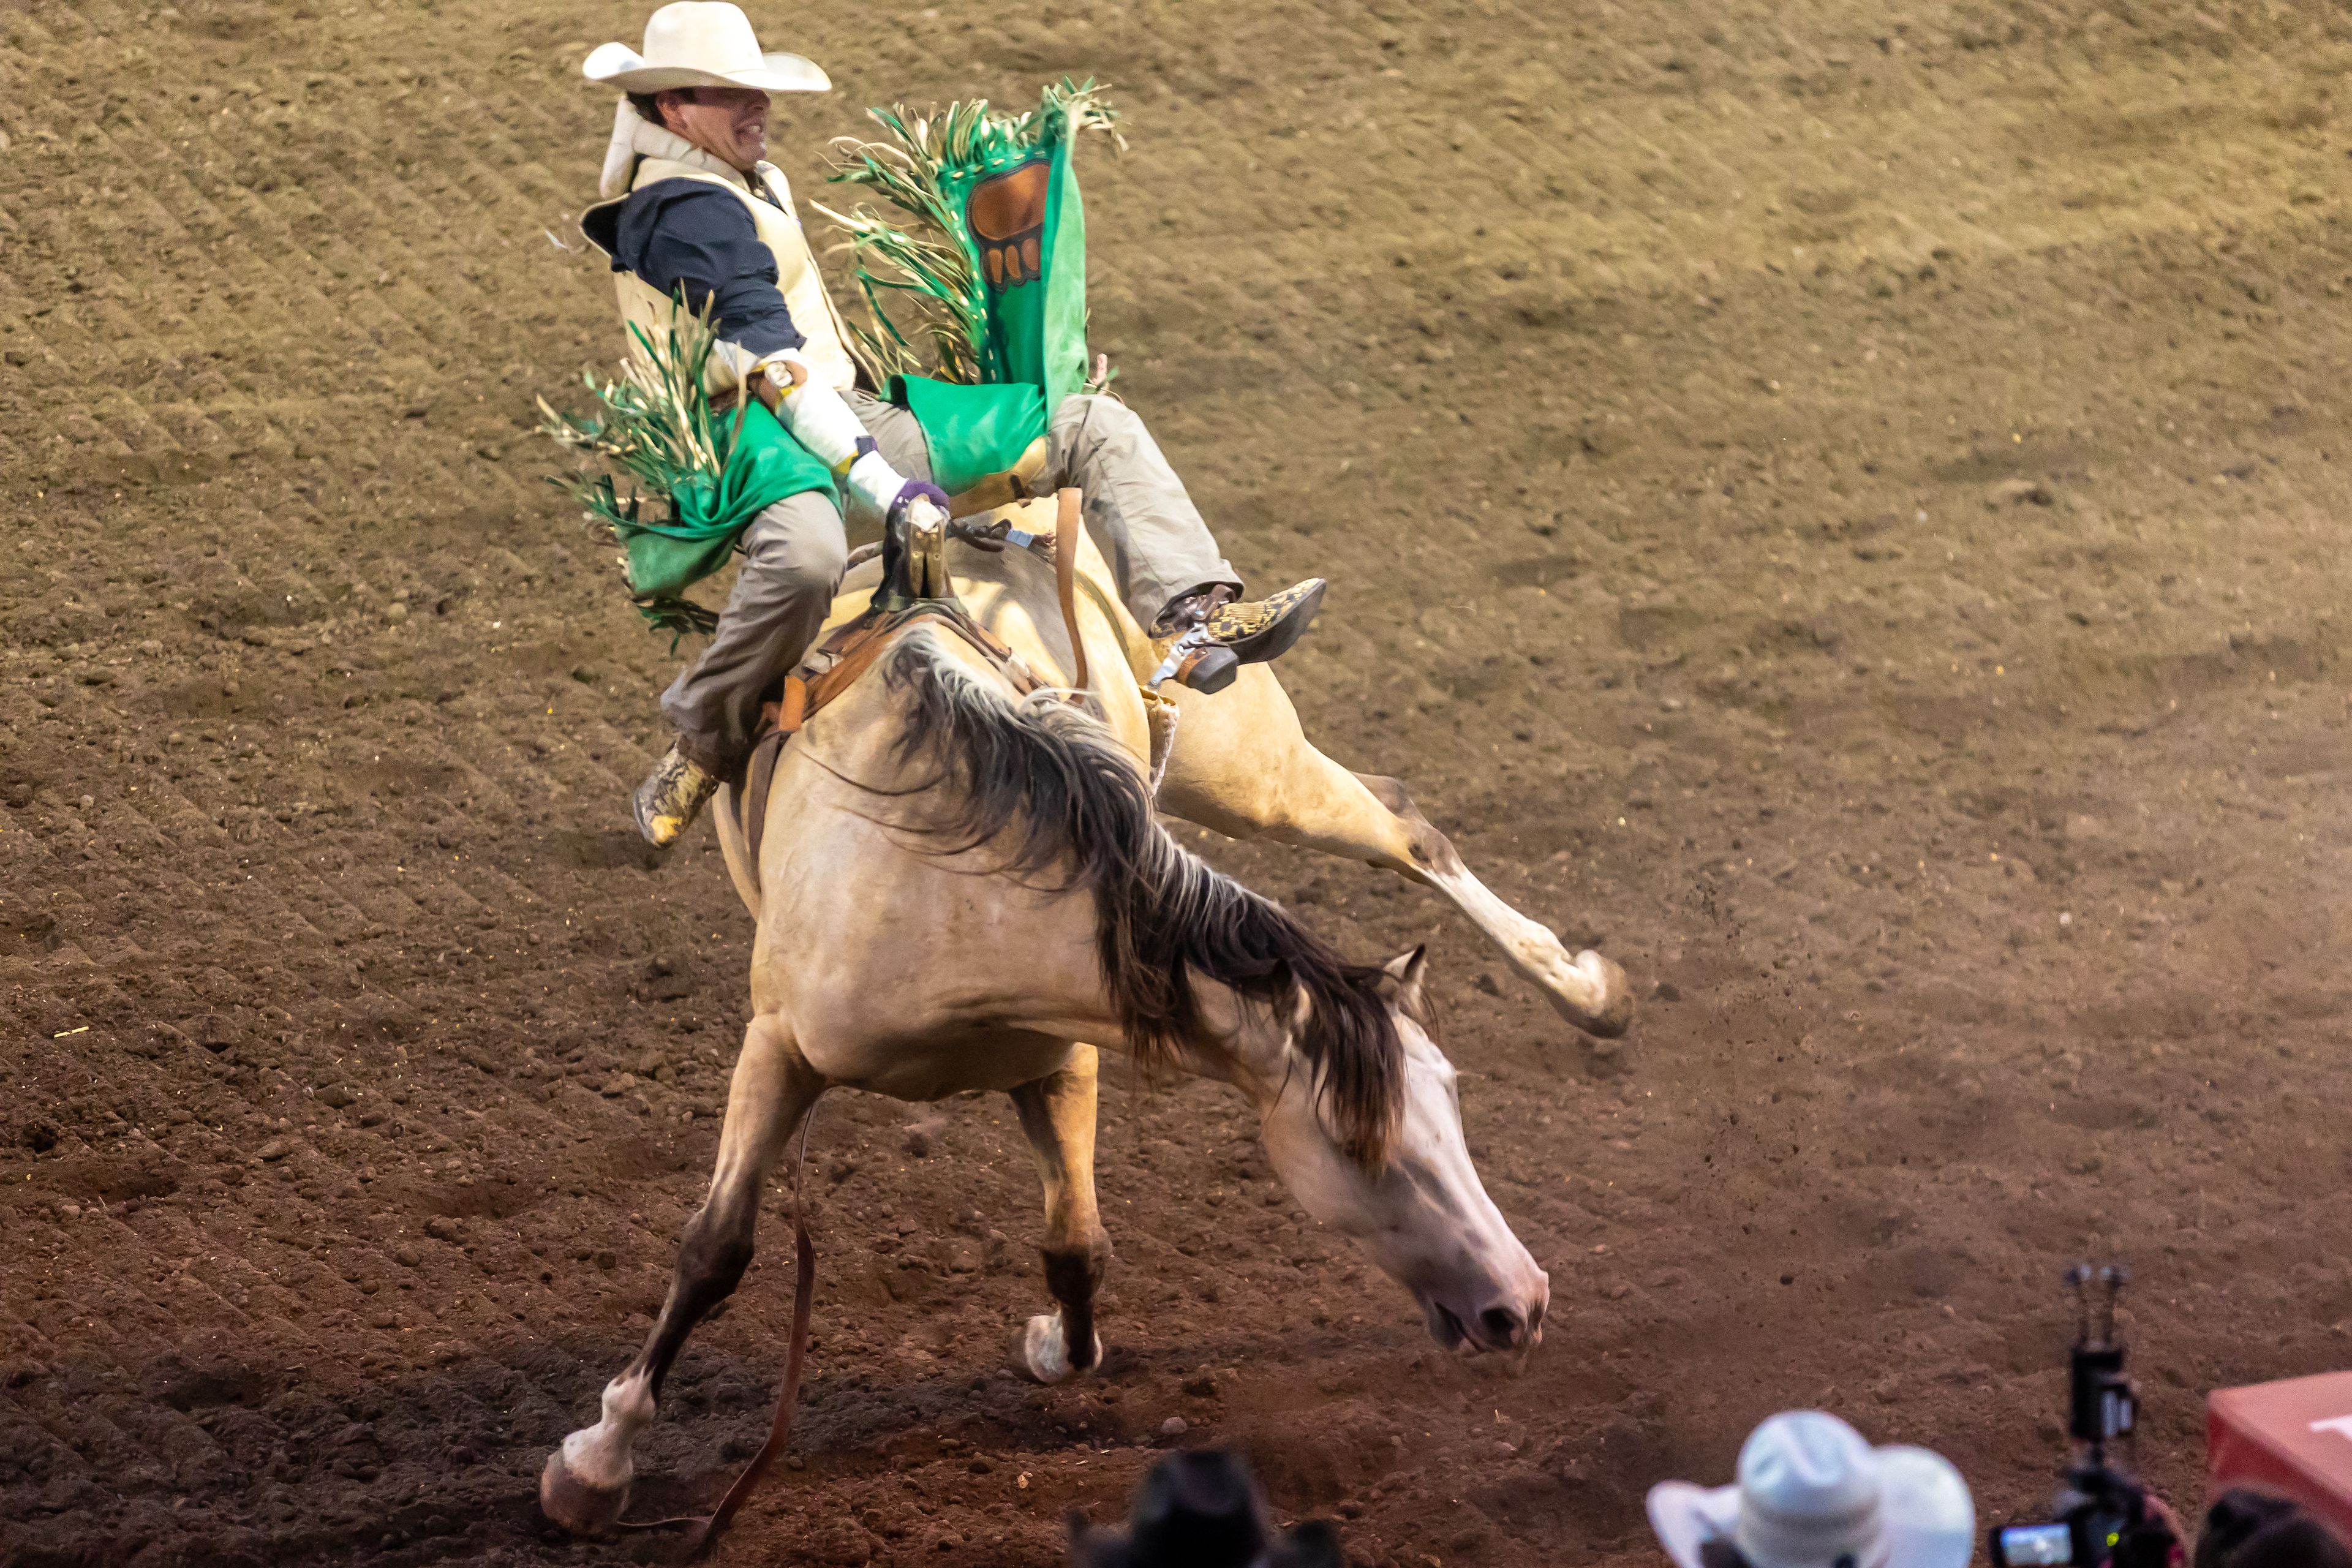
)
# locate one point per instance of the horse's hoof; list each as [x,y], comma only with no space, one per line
[1615,1013]
[1037,1352]
[573,1504]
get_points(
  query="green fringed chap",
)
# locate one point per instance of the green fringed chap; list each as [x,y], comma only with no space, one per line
[971,431]
[764,465]
[713,471]
[994,266]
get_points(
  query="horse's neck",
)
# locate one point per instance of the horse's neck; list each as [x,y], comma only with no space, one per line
[1245,1045]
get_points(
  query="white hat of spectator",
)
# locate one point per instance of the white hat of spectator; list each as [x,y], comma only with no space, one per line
[1812,1494]
[701,43]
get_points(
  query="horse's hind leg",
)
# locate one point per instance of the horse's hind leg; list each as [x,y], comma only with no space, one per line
[1588,990]
[1057,1112]
[586,1482]
[1243,766]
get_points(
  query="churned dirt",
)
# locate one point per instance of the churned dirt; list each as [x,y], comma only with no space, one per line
[1839,505]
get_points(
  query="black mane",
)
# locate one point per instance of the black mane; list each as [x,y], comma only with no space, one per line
[1051,788]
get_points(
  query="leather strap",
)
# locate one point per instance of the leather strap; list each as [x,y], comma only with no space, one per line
[851,651]
[1066,579]
[1161,715]
[793,711]
[758,776]
[788,1399]
[991,492]
[854,659]
[704,1532]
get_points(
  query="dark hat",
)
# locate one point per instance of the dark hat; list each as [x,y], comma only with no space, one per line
[2301,1542]
[1200,1508]
[2247,1528]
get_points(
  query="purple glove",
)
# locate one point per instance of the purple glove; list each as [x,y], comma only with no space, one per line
[914,491]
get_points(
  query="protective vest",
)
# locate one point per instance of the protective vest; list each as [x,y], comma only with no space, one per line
[796,276]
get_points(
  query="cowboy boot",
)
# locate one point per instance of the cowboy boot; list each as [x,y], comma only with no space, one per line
[1205,639]
[669,800]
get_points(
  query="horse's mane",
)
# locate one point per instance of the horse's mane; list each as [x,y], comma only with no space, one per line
[1051,789]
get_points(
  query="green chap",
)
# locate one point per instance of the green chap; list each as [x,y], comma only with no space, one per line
[997,262]
[765,466]
[971,431]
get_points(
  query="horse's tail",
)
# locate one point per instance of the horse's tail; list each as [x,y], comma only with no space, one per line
[1052,791]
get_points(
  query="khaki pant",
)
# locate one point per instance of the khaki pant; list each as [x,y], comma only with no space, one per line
[795,553]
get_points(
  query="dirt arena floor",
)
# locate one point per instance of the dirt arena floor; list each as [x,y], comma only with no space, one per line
[1839,504]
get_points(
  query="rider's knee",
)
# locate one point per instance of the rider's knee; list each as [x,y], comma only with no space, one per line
[821,565]
[802,577]
[1096,417]
[806,561]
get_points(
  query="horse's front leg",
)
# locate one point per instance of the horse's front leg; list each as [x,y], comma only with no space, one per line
[1057,1112]
[586,1483]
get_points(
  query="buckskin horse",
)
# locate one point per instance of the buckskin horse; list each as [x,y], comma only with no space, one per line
[960,884]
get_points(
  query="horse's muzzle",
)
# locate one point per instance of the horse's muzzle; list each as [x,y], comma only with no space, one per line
[1501,1325]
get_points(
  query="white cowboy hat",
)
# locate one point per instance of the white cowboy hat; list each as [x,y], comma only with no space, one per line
[701,43]
[1812,1494]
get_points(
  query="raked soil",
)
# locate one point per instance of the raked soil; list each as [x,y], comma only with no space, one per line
[1839,505]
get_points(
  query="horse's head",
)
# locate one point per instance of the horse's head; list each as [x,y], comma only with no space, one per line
[1422,1213]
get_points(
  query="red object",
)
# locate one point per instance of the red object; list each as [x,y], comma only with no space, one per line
[2293,1439]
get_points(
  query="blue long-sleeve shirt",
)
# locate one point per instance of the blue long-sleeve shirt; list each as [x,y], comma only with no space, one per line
[690,234]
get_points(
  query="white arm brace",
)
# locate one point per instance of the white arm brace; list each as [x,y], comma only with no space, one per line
[821,421]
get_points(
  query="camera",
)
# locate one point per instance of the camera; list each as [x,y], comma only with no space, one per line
[2100,1517]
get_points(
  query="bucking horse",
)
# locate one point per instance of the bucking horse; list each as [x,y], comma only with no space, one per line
[960,883]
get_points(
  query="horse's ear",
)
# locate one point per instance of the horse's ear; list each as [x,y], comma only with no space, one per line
[1405,972]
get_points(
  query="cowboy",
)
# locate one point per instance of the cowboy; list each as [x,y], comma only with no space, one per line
[693,212]
[1812,1493]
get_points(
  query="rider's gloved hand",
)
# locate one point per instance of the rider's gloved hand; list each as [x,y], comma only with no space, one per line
[914,494]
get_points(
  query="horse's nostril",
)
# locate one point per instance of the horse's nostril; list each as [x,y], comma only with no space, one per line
[1503,1325]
